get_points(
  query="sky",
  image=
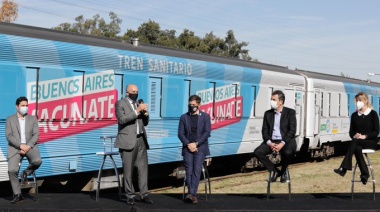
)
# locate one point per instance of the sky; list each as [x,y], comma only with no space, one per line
[325,36]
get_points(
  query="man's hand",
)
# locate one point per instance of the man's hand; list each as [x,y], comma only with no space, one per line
[278,147]
[272,146]
[24,149]
[142,107]
[192,147]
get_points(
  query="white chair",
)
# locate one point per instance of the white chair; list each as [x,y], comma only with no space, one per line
[274,157]
[206,180]
[372,174]
[109,151]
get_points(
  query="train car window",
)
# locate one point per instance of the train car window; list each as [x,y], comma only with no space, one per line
[378,101]
[339,104]
[329,104]
[98,91]
[187,93]
[205,90]
[82,83]
[33,89]
[263,100]
[119,85]
[326,104]
[334,104]
[238,103]
[14,85]
[318,111]
[322,105]
[343,105]
[176,92]
[154,97]
[55,95]
[290,98]
[214,113]
[253,111]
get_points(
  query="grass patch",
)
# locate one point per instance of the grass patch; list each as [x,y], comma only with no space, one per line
[313,177]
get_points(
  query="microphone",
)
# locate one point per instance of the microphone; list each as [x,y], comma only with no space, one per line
[140,101]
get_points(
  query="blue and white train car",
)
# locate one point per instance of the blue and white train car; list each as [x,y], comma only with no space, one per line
[73,81]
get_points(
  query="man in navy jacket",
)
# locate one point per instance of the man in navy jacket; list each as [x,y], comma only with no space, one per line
[194,130]
[279,129]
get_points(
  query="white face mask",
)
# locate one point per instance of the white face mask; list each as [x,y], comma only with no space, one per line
[359,105]
[23,110]
[273,104]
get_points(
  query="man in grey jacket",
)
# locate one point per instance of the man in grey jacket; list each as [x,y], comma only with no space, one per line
[22,133]
[132,117]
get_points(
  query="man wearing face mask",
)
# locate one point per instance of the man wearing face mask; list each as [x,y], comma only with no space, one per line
[364,131]
[194,129]
[22,133]
[132,142]
[278,131]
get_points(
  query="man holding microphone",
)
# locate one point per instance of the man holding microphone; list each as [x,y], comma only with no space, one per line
[132,117]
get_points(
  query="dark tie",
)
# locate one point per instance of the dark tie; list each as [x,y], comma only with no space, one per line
[137,120]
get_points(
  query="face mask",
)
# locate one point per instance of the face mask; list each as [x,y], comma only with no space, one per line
[359,105]
[193,109]
[23,110]
[273,104]
[133,96]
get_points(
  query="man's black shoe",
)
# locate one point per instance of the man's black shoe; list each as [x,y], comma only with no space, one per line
[24,177]
[130,201]
[147,200]
[284,178]
[341,171]
[17,198]
[364,179]
[189,198]
[275,175]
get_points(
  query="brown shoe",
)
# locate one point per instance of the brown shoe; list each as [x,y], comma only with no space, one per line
[194,200]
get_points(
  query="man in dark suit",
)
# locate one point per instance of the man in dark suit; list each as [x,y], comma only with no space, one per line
[279,128]
[132,142]
[194,130]
[22,133]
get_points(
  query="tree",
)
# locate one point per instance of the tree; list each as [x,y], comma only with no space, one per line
[167,38]
[344,75]
[96,26]
[187,40]
[150,33]
[213,43]
[233,48]
[8,11]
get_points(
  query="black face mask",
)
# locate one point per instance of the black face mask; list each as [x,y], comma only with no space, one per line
[193,109]
[133,96]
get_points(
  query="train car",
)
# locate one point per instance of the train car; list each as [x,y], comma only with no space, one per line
[329,104]
[73,81]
